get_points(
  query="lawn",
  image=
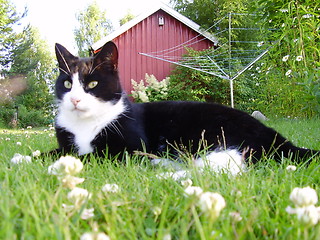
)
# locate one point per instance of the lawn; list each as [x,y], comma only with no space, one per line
[145,206]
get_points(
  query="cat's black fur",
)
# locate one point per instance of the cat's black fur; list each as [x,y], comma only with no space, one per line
[156,127]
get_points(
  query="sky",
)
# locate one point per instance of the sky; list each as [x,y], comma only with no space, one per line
[56,19]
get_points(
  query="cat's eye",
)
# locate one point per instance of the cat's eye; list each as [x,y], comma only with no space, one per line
[67,84]
[92,84]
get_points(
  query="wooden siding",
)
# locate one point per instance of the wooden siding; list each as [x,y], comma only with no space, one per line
[147,36]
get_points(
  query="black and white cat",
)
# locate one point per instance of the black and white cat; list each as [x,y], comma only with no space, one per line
[96,116]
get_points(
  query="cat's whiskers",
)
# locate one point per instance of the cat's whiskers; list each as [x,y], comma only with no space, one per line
[61,69]
[92,70]
[65,62]
[114,126]
[126,116]
[91,66]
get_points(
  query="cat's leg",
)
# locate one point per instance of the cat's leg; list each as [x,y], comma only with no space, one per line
[66,146]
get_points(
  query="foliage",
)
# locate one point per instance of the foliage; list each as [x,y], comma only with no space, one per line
[149,207]
[193,85]
[150,90]
[32,59]
[286,81]
[93,25]
[128,17]
[8,18]
[290,75]
[207,12]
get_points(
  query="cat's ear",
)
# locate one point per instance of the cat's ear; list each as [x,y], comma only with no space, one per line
[108,54]
[64,57]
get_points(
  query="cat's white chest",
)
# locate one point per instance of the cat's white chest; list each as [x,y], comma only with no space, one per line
[86,126]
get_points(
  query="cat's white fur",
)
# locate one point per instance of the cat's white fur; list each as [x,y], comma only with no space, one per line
[88,117]
[228,161]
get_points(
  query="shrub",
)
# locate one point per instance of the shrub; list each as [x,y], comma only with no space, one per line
[150,90]
[6,114]
[193,85]
[33,117]
[290,74]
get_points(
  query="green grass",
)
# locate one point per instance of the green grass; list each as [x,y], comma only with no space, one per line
[31,200]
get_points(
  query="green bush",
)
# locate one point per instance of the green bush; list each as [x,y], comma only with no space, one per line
[33,117]
[193,85]
[26,117]
[290,74]
[6,115]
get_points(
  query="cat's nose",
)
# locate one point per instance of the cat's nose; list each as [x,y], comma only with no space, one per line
[75,101]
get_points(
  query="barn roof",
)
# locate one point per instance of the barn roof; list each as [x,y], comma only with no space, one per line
[125,27]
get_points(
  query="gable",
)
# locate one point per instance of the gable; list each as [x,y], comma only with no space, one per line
[176,15]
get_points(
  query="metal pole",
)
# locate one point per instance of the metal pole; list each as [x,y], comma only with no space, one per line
[230,79]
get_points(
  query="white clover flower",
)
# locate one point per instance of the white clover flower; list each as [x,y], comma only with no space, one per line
[299,58]
[236,217]
[186,183]
[193,191]
[177,175]
[68,208]
[87,213]
[308,215]
[302,197]
[36,153]
[260,44]
[156,211]
[235,192]
[211,203]
[167,236]
[285,58]
[288,72]
[78,196]
[110,188]
[94,236]
[18,158]
[291,168]
[307,16]
[70,182]
[19,143]
[66,166]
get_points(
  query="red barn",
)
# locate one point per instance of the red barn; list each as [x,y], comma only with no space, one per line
[158,29]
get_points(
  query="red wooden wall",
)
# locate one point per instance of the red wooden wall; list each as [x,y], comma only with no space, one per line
[147,36]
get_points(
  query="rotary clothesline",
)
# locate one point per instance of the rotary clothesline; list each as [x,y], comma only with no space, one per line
[238,48]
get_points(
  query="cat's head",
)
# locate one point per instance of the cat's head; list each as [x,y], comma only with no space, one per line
[86,83]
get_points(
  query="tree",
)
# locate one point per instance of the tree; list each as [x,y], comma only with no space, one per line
[208,12]
[128,17]
[32,60]
[93,25]
[8,18]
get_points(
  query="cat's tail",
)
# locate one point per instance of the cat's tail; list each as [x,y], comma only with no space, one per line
[297,154]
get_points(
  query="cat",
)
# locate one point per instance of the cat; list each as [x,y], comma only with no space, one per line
[96,116]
